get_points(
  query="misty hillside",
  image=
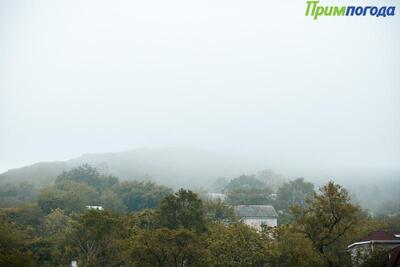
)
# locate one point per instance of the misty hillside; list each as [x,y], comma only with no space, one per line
[195,168]
[171,166]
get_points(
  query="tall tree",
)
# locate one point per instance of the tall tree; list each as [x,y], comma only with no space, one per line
[217,211]
[250,196]
[236,245]
[92,236]
[12,252]
[295,192]
[166,247]
[137,196]
[89,175]
[248,190]
[111,200]
[286,247]
[182,209]
[326,219]
[245,182]
[72,197]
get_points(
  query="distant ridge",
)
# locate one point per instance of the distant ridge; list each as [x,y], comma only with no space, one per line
[175,167]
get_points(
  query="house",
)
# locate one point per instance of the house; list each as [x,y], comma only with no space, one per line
[257,216]
[385,240]
[215,196]
[94,207]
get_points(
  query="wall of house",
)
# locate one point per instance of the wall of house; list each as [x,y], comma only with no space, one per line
[360,252]
[257,223]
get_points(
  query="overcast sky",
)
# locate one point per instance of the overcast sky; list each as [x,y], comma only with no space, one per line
[254,76]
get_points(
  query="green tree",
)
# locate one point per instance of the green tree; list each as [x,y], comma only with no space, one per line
[12,195]
[49,247]
[248,190]
[325,221]
[250,196]
[89,175]
[93,237]
[216,211]
[245,182]
[236,245]
[71,197]
[27,215]
[167,247]
[147,219]
[182,209]
[137,196]
[295,192]
[12,245]
[110,200]
[55,222]
[286,247]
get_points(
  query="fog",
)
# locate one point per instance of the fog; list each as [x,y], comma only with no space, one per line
[256,78]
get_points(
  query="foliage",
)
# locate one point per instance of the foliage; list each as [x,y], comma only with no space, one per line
[287,247]
[270,179]
[250,196]
[137,196]
[12,195]
[182,209]
[145,224]
[111,200]
[217,211]
[167,247]
[92,238]
[147,219]
[89,175]
[295,192]
[325,220]
[71,197]
[56,222]
[244,182]
[236,245]
[51,248]
[84,186]
[12,249]
[248,190]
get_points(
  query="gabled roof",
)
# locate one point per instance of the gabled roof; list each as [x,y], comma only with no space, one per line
[255,211]
[382,237]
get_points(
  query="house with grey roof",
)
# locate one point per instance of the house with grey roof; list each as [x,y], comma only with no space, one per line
[257,216]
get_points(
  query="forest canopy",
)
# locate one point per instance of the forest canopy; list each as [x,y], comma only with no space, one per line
[147,224]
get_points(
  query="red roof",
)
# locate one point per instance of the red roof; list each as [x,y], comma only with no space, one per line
[382,235]
[394,257]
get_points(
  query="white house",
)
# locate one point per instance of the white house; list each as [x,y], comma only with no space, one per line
[257,216]
[94,207]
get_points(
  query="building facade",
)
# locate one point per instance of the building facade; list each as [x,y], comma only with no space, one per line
[257,216]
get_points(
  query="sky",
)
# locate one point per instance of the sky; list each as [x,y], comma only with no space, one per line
[254,77]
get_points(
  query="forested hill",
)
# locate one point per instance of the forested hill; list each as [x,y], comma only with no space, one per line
[175,167]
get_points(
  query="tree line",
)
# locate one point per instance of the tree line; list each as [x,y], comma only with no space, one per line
[146,224]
